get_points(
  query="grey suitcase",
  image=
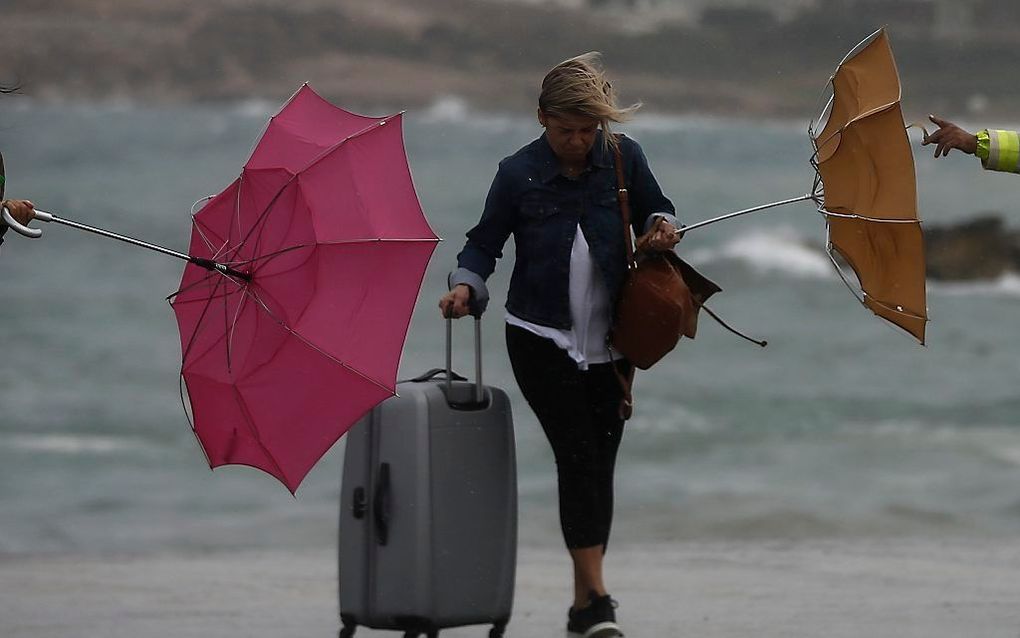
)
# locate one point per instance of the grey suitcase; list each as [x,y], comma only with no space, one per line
[428,508]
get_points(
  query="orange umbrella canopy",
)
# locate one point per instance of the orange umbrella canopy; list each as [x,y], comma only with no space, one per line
[868,186]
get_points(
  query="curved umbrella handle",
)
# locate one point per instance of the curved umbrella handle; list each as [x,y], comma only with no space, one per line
[31,233]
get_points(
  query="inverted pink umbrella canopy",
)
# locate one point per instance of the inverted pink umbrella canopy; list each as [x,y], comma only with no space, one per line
[327,246]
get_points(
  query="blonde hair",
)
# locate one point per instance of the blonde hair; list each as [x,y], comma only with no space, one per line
[578,86]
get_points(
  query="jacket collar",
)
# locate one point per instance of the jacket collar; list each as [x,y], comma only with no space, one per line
[549,166]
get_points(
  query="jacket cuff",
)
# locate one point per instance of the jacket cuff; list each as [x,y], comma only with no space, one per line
[669,218]
[479,291]
[982,145]
[1003,151]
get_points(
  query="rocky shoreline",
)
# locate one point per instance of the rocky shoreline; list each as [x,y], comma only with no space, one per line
[979,248]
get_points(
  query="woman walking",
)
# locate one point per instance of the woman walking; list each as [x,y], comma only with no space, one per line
[558,197]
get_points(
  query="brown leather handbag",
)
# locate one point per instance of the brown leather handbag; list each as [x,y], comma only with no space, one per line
[660,298]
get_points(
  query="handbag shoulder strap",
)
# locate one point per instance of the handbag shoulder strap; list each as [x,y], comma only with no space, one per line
[626,406]
[624,198]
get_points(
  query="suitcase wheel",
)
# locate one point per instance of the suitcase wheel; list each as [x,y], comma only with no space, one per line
[497,630]
[347,632]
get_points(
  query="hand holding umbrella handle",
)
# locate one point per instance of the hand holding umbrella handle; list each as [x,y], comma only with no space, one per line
[21,229]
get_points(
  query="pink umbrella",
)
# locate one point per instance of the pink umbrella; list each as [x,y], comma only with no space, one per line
[318,251]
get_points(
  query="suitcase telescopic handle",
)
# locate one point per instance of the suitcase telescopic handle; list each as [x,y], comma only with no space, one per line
[381,504]
[479,395]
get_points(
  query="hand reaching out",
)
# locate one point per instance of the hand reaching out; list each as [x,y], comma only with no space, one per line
[950,136]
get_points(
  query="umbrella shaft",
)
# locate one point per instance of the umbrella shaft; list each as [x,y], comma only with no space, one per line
[208,264]
[747,211]
[118,237]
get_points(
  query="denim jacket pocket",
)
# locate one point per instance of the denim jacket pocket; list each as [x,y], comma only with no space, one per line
[536,210]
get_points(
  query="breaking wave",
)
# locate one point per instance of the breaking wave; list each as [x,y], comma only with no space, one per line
[451,109]
[70,444]
[1007,285]
[780,250]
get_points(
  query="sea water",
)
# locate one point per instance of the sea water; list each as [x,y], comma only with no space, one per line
[842,426]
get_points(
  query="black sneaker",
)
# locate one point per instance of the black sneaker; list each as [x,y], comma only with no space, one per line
[597,620]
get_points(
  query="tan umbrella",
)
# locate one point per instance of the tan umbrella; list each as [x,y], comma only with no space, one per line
[865,187]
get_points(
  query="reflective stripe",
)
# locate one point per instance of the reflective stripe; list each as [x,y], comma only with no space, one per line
[1003,151]
[1009,151]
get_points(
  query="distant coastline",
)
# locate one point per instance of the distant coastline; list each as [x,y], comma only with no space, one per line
[397,52]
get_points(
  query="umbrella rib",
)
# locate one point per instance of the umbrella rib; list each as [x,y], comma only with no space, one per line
[195,224]
[860,293]
[191,286]
[311,345]
[262,215]
[226,247]
[265,127]
[233,328]
[819,197]
[256,435]
[339,242]
[244,407]
[820,143]
[295,175]
[897,309]
[198,226]
[204,280]
[371,127]
[226,331]
[854,51]
[182,384]
[194,335]
[878,220]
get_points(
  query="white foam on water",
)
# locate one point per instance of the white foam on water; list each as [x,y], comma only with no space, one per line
[996,442]
[452,109]
[70,444]
[778,250]
[1007,285]
[672,418]
[652,122]
[256,108]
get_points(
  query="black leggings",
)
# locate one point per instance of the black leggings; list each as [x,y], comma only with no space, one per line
[579,412]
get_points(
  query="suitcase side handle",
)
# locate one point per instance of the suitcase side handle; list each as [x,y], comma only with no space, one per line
[381,504]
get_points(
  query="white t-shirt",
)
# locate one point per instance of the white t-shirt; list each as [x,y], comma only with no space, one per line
[590,312]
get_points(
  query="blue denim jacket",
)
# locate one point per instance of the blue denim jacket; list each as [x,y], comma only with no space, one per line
[532,200]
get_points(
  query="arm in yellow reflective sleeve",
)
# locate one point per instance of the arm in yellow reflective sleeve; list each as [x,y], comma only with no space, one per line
[1003,151]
